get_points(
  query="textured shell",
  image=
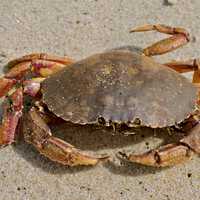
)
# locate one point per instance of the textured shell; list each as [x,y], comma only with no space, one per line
[119,86]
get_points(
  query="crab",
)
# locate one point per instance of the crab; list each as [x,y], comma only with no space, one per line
[119,87]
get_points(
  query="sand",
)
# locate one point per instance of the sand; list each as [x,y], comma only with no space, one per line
[78,29]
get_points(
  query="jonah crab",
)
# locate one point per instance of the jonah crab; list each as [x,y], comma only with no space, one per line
[119,87]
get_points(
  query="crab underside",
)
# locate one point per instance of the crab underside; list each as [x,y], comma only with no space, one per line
[119,88]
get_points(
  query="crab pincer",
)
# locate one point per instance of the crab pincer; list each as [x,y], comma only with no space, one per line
[170,154]
[38,133]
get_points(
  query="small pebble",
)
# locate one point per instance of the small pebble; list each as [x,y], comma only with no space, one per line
[193,39]
[3,55]
[170,2]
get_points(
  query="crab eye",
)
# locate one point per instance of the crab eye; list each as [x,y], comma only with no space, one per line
[101,121]
[137,121]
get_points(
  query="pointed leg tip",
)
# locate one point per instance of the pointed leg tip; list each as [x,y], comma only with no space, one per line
[99,159]
[91,160]
[146,27]
[132,30]
[136,29]
[104,158]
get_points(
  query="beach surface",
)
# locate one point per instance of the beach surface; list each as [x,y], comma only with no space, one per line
[77,29]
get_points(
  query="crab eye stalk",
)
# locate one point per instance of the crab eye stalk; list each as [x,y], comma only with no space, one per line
[101,121]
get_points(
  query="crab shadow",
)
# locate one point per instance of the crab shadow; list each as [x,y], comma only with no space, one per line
[30,154]
[131,169]
[97,140]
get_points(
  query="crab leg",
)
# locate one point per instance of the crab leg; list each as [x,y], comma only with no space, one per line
[179,38]
[38,133]
[42,64]
[183,66]
[13,106]
[170,154]
[187,66]
[13,77]
[6,85]
[18,71]
[40,56]
[8,81]
[45,68]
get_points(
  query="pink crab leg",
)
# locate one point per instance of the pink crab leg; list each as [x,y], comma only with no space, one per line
[6,85]
[13,106]
[12,77]
[42,64]
[45,68]
[38,133]
[18,71]
[40,56]
[170,154]
[179,38]
[31,87]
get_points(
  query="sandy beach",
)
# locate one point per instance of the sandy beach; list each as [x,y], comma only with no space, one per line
[77,29]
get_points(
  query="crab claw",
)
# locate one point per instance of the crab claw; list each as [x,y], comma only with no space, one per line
[38,133]
[170,154]
[13,106]
[66,154]
[165,156]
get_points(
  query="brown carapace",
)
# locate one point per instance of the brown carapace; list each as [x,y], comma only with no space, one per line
[121,86]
